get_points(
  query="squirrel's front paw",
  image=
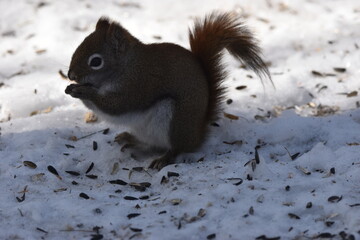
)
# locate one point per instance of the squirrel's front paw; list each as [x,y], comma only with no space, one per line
[81,91]
[69,88]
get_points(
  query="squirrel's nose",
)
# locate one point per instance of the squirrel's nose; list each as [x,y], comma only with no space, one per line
[71,75]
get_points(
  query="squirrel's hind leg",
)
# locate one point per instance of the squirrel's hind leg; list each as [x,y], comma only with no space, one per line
[137,148]
[126,140]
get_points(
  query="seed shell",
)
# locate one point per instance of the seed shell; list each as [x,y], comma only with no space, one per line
[355,205]
[335,199]
[106,131]
[21,199]
[138,187]
[173,174]
[30,164]
[325,235]
[41,230]
[231,116]
[294,156]
[176,201]
[164,180]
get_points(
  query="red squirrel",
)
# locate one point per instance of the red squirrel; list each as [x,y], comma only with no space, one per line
[166,94]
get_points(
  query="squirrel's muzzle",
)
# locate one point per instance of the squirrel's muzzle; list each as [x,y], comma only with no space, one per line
[72,75]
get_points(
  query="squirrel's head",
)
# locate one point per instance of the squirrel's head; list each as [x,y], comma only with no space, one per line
[101,54]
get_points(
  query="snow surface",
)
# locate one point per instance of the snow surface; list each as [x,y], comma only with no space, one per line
[313,114]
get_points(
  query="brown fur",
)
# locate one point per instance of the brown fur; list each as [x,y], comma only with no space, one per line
[219,31]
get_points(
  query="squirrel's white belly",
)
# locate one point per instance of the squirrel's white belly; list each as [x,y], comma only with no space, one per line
[150,126]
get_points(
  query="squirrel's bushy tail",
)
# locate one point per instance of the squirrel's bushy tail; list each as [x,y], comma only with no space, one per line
[208,38]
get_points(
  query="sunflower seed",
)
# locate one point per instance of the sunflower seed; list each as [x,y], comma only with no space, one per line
[73,173]
[90,168]
[135,229]
[339,69]
[118,182]
[294,216]
[84,195]
[130,198]
[211,236]
[263,237]
[53,171]
[241,87]
[91,176]
[132,215]
[95,146]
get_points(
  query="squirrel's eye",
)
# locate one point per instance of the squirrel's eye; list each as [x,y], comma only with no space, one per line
[96,61]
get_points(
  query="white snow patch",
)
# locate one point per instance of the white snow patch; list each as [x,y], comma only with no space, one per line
[308,122]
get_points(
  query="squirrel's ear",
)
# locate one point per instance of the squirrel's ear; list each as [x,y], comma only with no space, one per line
[116,36]
[103,23]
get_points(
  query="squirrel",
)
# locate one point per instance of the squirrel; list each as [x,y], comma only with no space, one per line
[166,94]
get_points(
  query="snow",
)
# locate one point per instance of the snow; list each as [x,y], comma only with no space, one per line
[218,191]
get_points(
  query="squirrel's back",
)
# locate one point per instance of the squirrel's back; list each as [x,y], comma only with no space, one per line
[209,37]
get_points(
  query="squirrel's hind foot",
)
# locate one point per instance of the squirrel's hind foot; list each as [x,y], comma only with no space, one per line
[163,161]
